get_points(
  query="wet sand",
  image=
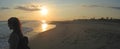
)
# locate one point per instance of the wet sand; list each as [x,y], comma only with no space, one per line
[79,36]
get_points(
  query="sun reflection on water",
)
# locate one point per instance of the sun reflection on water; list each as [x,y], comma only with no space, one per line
[44,25]
[41,28]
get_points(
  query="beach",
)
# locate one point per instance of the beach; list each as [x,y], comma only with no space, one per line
[82,35]
[79,36]
[60,24]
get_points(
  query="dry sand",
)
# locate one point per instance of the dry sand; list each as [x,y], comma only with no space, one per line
[79,36]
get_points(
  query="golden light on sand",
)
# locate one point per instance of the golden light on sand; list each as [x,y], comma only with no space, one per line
[44,11]
[44,25]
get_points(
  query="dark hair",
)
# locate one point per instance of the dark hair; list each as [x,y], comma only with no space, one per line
[13,21]
[16,25]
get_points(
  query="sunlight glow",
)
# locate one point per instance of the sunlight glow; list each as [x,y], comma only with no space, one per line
[44,10]
[44,25]
[43,21]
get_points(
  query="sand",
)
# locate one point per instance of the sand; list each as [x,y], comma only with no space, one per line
[79,36]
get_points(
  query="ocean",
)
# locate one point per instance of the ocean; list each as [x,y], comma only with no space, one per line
[29,29]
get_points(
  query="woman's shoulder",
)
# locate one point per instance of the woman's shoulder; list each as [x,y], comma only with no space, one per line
[13,36]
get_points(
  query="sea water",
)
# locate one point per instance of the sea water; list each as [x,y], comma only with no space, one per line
[29,28]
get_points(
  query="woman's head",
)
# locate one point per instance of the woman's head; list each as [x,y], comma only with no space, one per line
[14,23]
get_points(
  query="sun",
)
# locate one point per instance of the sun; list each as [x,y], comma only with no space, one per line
[44,10]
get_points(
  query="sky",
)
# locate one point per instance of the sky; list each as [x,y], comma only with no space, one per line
[59,9]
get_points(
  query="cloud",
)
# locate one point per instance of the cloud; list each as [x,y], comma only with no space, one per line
[93,6]
[28,7]
[4,8]
[25,7]
[118,8]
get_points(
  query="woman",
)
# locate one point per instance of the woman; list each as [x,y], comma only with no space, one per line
[16,39]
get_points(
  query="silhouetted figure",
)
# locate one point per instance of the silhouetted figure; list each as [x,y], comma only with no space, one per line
[16,39]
